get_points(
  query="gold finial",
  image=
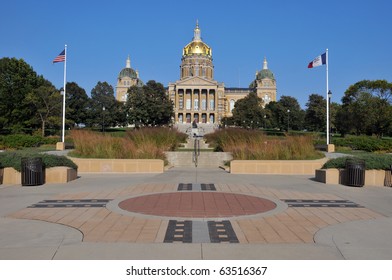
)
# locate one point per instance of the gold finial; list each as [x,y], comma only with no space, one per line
[197,33]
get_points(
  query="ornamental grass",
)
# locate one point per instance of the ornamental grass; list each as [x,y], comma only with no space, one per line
[167,139]
[145,143]
[255,145]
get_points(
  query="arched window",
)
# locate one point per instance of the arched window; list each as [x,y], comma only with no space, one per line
[232,102]
[196,105]
[212,104]
[204,104]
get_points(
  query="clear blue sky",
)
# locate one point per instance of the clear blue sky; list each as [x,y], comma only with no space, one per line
[101,34]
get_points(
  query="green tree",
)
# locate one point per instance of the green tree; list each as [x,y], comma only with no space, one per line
[102,108]
[47,103]
[149,105]
[17,79]
[76,102]
[248,112]
[366,108]
[286,114]
[315,114]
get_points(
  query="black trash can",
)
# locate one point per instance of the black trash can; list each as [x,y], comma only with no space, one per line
[355,172]
[32,172]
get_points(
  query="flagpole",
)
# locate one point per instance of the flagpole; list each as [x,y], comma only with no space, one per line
[327,99]
[65,79]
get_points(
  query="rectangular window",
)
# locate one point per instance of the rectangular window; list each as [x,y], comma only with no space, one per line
[188,104]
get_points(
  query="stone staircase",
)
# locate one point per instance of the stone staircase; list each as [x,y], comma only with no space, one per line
[207,158]
[203,128]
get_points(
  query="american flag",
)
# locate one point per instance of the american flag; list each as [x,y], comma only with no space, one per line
[60,57]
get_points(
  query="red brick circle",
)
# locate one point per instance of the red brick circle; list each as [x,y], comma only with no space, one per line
[197,204]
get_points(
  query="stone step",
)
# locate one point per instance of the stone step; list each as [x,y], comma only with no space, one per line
[190,144]
[205,159]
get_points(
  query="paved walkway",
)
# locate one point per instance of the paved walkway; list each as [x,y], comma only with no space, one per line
[186,213]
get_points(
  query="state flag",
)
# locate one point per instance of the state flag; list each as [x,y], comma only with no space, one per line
[320,60]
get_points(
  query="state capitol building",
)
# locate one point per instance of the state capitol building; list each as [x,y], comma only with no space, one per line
[196,95]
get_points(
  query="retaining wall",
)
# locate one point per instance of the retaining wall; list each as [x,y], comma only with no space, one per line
[87,165]
[293,167]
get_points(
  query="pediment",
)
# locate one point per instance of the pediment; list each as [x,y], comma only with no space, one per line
[193,81]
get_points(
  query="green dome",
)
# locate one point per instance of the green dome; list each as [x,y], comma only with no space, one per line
[265,73]
[127,72]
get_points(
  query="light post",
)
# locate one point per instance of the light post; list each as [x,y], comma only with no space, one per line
[288,120]
[103,119]
[329,117]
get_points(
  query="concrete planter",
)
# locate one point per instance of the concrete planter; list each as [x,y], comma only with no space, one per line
[338,176]
[291,167]
[60,174]
[87,165]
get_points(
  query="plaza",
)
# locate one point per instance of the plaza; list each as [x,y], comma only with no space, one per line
[194,213]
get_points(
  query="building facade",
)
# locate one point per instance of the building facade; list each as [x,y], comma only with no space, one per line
[126,78]
[197,96]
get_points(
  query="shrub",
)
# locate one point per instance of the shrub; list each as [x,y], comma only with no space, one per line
[19,141]
[14,159]
[364,143]
[372,161]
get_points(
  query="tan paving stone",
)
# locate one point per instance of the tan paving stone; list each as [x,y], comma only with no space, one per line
[238,231]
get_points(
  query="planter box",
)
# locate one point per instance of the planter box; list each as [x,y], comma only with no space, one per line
[11,176]
[60,174]
[291,167]
[338,176]
[88,165]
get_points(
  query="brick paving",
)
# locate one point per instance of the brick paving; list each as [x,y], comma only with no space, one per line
[247,211]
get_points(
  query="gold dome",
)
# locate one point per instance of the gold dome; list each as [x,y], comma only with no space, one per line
[197,46]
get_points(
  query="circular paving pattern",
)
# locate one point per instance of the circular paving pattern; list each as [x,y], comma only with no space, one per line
[197,204]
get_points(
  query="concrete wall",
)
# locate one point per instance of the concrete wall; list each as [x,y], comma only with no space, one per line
[206,159]
[305,167]
[119,165]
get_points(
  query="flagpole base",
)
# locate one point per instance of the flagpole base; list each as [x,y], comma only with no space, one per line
[60,146]
[330,148]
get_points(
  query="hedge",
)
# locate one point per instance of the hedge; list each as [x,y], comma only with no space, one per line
[14,159]
[372,161]
[364,143]
[18,141]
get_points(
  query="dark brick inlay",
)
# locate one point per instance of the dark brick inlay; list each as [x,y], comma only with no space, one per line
[178,231]
[184,187]
[70,203]
[321,203]
[222,232]
[208,187]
